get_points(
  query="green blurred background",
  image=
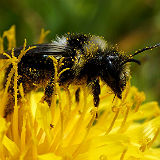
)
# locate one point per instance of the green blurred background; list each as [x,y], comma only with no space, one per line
[132,24]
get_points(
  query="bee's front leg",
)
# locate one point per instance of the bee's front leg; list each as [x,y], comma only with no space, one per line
[95,87]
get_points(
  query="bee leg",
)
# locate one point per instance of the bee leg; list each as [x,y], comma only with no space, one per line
[94,84]
[77,95]
[48,93]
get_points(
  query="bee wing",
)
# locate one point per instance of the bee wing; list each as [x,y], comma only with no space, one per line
[48,49]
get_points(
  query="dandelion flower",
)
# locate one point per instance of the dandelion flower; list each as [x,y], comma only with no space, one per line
[126,129]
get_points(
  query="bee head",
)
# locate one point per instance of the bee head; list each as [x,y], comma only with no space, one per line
[114,73]
[115,69]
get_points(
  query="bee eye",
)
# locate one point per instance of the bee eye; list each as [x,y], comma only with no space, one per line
[111,68]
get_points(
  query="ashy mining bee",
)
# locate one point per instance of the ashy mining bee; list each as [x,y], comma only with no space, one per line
[88,57]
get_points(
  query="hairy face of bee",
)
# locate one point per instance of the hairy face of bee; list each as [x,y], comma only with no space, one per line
[114,74]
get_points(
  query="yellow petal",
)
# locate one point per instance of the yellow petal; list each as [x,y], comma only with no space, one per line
[49,156]
[11,146]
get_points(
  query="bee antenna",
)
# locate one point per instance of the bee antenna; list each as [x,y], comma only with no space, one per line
[131,60]
[144,49]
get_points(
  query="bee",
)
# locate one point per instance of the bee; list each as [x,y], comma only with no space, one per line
[89,59]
